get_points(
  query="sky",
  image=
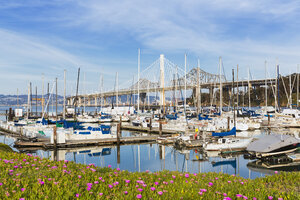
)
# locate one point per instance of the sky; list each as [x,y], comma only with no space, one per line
[43,38]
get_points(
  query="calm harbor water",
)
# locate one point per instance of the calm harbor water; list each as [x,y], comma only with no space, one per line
[154,157]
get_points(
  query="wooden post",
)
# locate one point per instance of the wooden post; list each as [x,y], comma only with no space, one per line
[160,128]
[268,120]
[118,134]
[120,121]
[21,131]
[228,123]
[54,137]
[118,154]
[160,152]
[150,125]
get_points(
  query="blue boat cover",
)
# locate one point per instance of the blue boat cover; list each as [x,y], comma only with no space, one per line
[203,118]
[225,162]
[222,134]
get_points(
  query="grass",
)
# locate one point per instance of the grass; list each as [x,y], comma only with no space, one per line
[28,177]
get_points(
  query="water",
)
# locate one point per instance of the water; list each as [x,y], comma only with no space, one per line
[152,157]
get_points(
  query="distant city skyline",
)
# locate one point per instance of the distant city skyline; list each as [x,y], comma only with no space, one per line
[45,37]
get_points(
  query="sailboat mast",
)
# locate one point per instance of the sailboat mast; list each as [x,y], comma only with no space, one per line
[138,97]
[36,101]
[117,88]
[278,97]
[198,89]
[185,80]
[101,92]
[176,83]
[65,83]
[43,92]
[233,99]
[298,86]
[249,88]
[28,101]
[148,92]
[17,97]
[237,86]
[84,92]
[75,100]
[266,86]
[56,101]
[221,87]
[290,83]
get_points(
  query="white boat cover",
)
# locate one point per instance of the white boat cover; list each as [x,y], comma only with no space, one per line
[270,143]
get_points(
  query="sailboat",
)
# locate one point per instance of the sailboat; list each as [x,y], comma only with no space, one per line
[228,144]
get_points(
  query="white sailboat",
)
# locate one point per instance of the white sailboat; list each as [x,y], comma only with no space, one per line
[227,144]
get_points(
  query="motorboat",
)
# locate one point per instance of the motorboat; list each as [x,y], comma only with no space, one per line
[271,145]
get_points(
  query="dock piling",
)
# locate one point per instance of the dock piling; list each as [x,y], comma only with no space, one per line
[118,154]
[160,128]
[228,123]
[118,133]
[150,124]
[54,137]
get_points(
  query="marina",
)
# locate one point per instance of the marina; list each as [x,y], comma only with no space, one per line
[149,100]
[195,147]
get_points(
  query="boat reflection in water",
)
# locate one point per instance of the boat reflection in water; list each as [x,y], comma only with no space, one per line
[270,168]
[60,154]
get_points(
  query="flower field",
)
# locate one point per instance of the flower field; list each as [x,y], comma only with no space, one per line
[28,177]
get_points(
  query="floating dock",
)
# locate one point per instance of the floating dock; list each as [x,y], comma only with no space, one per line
[25,142]
[96,142]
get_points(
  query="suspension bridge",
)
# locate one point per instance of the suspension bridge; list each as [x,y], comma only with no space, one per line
[160,77]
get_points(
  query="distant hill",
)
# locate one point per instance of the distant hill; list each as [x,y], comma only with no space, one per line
[22,99]
[13,99]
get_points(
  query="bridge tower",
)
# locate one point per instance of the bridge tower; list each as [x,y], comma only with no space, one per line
[162,80]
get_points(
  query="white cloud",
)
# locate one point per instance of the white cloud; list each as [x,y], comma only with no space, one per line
[242,32]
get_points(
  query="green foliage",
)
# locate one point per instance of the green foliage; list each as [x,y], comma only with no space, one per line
[29,177]
[4,147]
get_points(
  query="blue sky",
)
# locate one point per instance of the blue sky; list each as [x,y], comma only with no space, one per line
[47,37]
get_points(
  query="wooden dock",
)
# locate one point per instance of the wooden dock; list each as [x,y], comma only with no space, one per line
[148,130]
[96,142]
